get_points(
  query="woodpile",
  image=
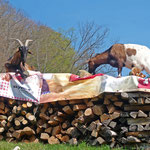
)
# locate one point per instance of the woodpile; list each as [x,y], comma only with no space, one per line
[111,118]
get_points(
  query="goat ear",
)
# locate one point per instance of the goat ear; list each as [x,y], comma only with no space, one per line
[30,52]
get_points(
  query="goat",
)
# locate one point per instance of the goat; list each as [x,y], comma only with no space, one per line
[122,55]
[16,63]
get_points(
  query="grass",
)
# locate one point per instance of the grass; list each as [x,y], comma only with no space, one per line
[40,146]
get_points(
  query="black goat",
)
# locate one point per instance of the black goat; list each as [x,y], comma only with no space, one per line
[16,63]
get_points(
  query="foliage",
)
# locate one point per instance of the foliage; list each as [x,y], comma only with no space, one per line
[52,53]
[39,146]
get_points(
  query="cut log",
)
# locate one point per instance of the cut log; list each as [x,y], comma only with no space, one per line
[73,132]
[140,100]
[141,114]
[132,127]
[11,102]
[48,130]
[66,124]
[106,101]
[44,116]
[3,117]
[132,139]
[2,112]
[68,110]
[138,134]
[118,103]
[17,123]
[33,139]
[25,122]
[50,110]
[53,140]
[78,107]
[65,138]
[101,140]
[29,104]
[124,114]
[73,141]
[133,114]
[147,127]
[88,113]
[56,130]
[44,108]
[95,99]
[92,126]
[104,117]
[98,109]
[61,114]
[111,108]
[133,108]
[89,104]
[26,131]
[44,136]
[141,121]
[2,130]
[132,101]
[59,119]
[94,133]
[112,124]
[2,105]
[63,103]
[140,127]
[23,112]
[76,101]
[3,123]
[31,117]
[124,96]
[147,101]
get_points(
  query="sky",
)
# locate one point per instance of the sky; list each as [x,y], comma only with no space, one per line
[128,21]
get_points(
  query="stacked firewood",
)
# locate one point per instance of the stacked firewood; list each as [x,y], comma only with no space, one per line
[111,118]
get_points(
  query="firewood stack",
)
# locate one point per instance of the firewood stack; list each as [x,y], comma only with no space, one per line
[111,118]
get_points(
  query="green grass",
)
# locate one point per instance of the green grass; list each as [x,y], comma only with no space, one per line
[39,146]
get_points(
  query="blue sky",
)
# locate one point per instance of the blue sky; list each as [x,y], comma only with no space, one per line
[127,20]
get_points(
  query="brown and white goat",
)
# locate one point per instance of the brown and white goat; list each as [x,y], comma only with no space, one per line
[122,55]
[16,63]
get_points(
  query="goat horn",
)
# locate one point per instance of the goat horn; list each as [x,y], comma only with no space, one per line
[27,42]
[18,41]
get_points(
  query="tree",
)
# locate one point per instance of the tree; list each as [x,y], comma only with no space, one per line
[13,24]
[87,40]
[52,51]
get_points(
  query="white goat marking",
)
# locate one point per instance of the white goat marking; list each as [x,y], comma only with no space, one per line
[140,60]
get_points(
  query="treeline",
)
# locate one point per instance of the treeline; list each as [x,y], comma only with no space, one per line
[63,51]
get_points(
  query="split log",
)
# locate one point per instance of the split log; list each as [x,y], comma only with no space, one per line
[78,107]
[133,114]
[73,132]
[44,136]
[136,107]
[141,121]
[53,140]
[98,109]
[73,141]
[67,109]
[110,108]
[141,114]
[56,130]
[63,103]
[104,117]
